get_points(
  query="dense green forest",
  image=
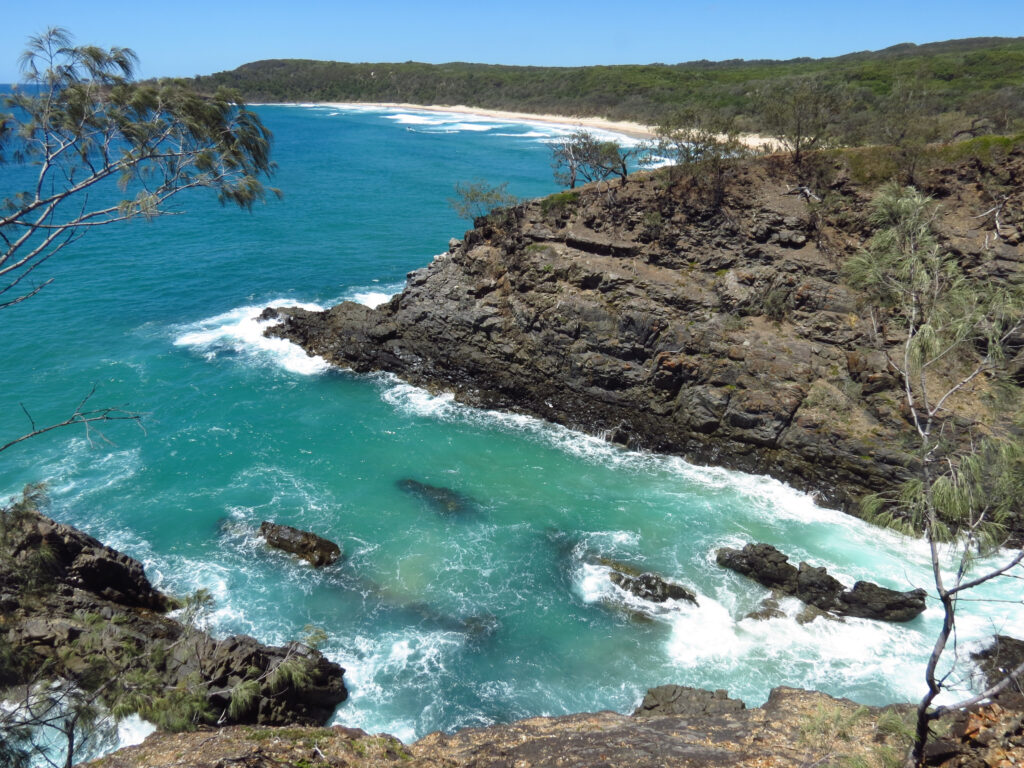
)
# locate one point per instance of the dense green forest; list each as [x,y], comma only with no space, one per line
[957,80]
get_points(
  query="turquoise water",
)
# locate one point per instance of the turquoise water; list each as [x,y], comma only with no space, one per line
[442,621]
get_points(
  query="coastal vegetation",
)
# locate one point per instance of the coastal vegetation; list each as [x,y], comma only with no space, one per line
[830,335]
[109,149]
[957,87]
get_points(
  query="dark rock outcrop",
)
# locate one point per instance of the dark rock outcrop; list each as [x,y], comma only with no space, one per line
[995,662]
[691,702]
[317,550]
[728,337]
[80,562]
[814,586]
[650,586]
[870,601]
[55,581]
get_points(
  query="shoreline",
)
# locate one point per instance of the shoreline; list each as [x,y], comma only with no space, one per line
[625,127]
[628,128]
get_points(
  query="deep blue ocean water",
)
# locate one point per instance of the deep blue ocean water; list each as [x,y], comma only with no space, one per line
[441,622]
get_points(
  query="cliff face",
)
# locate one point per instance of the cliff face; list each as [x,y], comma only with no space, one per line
[726,336]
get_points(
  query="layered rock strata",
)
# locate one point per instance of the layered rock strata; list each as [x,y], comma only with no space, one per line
[726,336]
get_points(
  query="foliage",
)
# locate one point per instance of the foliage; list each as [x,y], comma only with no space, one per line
[955,330]
[801,113]
[108,149]
[582,156]
[476,199]
[558,203]
[702,151]
[967,77]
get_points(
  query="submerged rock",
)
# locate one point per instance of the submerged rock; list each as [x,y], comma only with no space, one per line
[444,501]
[317,550]
[818,589]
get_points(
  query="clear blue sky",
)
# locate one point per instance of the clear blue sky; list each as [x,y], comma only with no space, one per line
[189,37]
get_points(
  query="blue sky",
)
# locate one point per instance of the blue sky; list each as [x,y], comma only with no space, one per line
[188,37]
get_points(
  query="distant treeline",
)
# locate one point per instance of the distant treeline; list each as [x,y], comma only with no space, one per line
[958,79]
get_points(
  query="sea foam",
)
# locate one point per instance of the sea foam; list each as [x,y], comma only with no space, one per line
[240,331]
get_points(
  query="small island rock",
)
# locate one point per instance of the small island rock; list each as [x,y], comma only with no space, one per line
[315,549]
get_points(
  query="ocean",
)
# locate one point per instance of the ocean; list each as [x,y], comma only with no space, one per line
[443,621]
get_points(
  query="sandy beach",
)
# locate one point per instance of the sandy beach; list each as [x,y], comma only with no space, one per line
[635,130]
[625,127]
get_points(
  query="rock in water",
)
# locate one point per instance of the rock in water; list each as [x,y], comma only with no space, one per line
[763,563]
[444,501]
[315,549]
[1004,655]
[870,601]
[814,586]
[650,586]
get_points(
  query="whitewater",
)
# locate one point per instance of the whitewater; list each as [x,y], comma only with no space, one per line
[441,622]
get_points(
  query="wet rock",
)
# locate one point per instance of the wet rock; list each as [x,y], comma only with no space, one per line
[818,589]
[85,579]
[317,550]
[769,609]
[650,586]
[870,601]
[691,702]
[763,563]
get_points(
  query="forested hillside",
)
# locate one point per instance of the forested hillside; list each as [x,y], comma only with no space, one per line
[958,80]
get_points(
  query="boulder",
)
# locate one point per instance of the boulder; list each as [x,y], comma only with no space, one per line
[870,601]
[691,702]
[819,590]
[650,586]
[763,563]
[315,549]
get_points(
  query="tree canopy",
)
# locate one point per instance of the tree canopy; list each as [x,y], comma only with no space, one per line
[107,148]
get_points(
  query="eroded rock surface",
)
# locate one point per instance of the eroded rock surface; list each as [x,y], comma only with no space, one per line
[58,585]
[632,311]
[819,590]
[316,550]
[714,732]
[650,586]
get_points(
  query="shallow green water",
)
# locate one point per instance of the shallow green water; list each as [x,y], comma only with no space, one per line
[441,620]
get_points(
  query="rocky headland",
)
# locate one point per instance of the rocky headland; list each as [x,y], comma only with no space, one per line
[72,608]
[722,333]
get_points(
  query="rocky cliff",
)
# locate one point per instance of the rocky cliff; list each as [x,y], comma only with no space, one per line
[74,609]
[674,727]
[721,333]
